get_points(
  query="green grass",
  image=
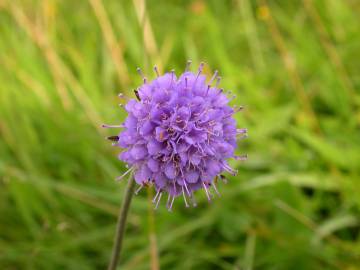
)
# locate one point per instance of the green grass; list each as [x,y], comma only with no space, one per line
[293,64]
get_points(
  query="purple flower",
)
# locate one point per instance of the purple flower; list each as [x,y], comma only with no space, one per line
[178,135]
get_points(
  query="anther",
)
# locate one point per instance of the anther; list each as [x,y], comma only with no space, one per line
[223,178]
[137,95]
[156,71]
[218,79]
[238,108]
[188,63]
[114,138]
[141,74]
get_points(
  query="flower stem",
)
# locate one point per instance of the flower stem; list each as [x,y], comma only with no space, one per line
[154,256]
[121,223]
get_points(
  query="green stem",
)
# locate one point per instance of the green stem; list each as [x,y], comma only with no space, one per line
[121,223]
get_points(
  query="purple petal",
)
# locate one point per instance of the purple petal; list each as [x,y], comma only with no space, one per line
[131,122]
[153,165]
[192,176]
[160,180]
[154,147]
[145,92]
[170,171]
[127,138]
[146,128]
[142,175]
[195,159]
[212,167]
[126,157]
[161,134]
[165,80]
[138,152]
[130,105]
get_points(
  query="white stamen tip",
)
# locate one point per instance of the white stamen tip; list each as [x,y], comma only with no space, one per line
[124,174]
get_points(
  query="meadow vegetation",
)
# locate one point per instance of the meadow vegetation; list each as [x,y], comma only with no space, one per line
[294,65]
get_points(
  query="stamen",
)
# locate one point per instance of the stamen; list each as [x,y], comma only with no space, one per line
[124,174]
[218,79]
[232,98]
[158,201]
[137,191]
[156,71]
[243,137]
[223,178]
[242,157]
[215,188]
[112,126]
[201,67]
[121,95]
[113,138]
[188,63]
[229,169]
[157,194]
[193,200]
[141,74]
[186,187]
[207,192]
[171,204]
[238,109]
[172,77]
[241,130]
[137,95]
[186,82]
[186,203]
[168,201]
[213,77]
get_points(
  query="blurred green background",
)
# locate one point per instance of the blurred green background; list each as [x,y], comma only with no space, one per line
[293,64]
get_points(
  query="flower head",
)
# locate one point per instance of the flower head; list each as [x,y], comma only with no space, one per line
[178,135]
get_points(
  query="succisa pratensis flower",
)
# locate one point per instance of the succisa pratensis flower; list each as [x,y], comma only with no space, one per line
[178,135]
